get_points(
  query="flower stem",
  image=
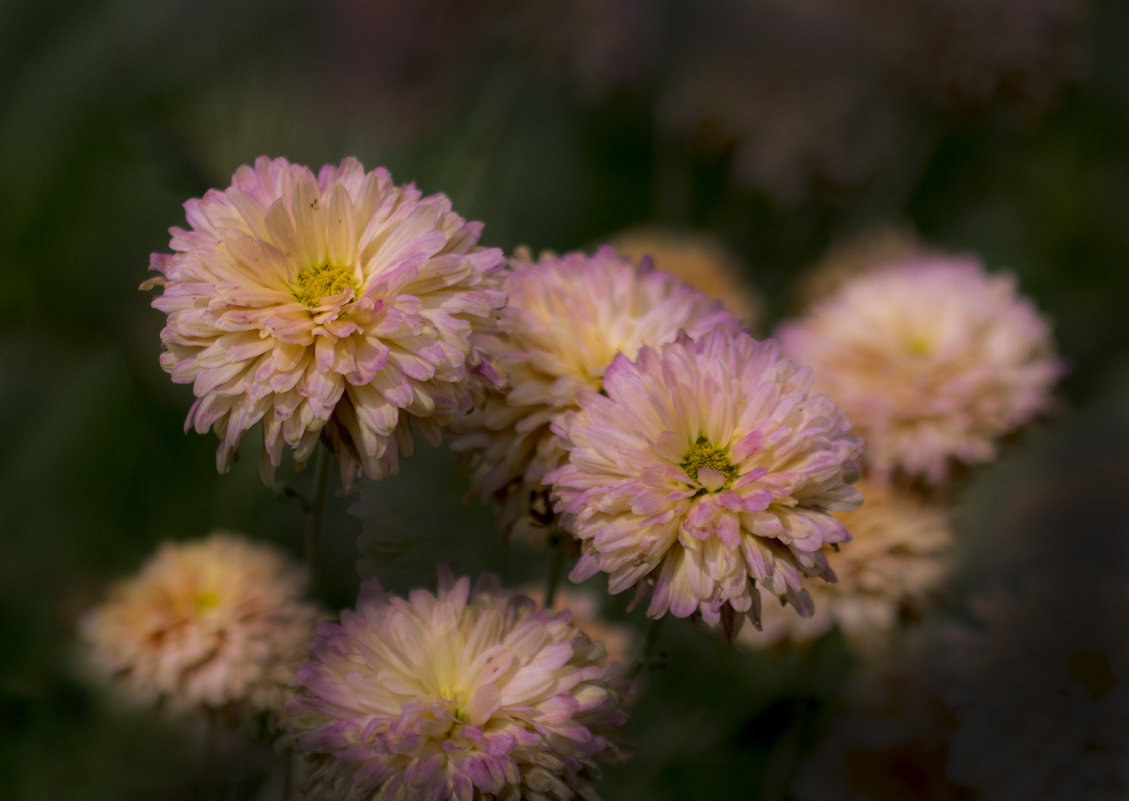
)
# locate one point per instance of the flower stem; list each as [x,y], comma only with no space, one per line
[559,544]
[651,645]
[323,467]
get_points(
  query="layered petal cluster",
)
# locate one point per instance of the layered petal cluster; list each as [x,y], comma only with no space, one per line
[471,693]
[898,557]
[933,359]
[697,258]
[706,473]
[568,316]
[216,624]
[620,641]
[338,306]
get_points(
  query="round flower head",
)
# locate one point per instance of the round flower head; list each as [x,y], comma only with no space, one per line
[698,259]
[706,472]
[466,694]
[337,305]
[898,556]
[934,360]
[218,624]
[567,318]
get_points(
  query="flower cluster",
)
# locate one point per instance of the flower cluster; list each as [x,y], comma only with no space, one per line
[568,316]
[933,359]
[471,693]
[705,472]
[337,306]
[208,625]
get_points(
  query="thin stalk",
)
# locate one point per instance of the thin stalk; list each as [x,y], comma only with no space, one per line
[650,645]
[556,567]
[323,467]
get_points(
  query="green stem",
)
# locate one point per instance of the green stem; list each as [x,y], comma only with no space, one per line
[323,467]
[556,567]
[650,646]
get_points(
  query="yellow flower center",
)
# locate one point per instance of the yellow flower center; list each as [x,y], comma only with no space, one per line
[704,453]
[319,281]
[919,346]
[206,600]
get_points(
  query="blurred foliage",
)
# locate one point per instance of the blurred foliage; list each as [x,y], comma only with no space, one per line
[116,111]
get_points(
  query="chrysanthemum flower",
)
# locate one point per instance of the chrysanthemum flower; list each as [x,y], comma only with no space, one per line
[218,624]
[567,318]
[336,305]
[933,360]
[705,473]
[898,556]
[697,258]
[466,694]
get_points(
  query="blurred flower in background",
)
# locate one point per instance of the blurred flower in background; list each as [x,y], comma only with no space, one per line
[467,693]
[211,630]
[892,569]
[933,359]
[699,259]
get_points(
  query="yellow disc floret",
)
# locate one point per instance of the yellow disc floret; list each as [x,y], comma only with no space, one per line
[319,281]
[704,453]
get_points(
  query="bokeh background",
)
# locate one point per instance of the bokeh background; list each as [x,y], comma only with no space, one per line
[787,130]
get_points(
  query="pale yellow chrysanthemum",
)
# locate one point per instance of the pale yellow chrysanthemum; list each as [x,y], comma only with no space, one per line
[933,359]
[472,693]
[699,259]
[217,624]
[336,307]
[895,563]
[704,474]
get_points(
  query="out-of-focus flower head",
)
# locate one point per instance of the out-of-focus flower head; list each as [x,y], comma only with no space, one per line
[853,256]
[797,95]
[898,556]
[1039,683]
[215,625]
[567,318]
[975,53]
[337,306]
[697,258]
[706,473]
[470,693]
[933,359]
